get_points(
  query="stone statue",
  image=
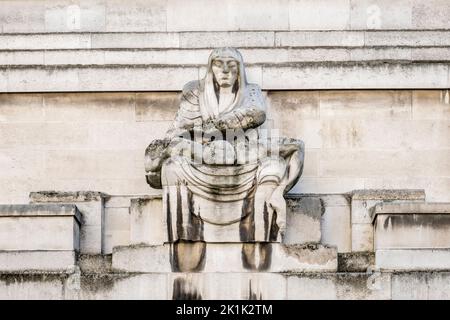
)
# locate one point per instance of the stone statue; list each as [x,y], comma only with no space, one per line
[223,172]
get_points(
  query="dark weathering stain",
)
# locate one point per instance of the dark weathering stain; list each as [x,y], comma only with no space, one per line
[247,224]
[188,256]
[435,221]
[179,214]
[195,221]
[270,227]
[183,290]
[253,295]
[169,218]
[248,256]
[189,226]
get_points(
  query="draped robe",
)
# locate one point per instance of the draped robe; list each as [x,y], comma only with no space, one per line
[216,202]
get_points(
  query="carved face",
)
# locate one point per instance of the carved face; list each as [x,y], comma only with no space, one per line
[225,71]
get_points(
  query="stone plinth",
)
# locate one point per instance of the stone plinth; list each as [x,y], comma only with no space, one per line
[39,237]
[363,201]
[303,219]
[225,257]
[147,223]
[412,236]
[91,206]
[148,226]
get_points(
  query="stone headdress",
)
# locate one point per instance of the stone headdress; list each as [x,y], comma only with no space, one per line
[209,106]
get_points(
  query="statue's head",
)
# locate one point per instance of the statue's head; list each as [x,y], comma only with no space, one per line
[226,65]
[225,69]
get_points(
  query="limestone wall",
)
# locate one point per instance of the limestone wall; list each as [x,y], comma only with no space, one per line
[124,65]
[85,85]
[354,140]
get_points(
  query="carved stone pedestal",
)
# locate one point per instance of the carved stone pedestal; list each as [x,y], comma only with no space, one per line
[412,236]
[225,257]
[39,237]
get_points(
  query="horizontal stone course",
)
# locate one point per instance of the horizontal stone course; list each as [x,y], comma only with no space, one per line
[341,286]
[175,15]
[352,40]
[62,58]
[301,75]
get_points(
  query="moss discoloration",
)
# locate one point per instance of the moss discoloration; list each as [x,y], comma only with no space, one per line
[63,196]
[97,263]
[11,278]
[389,194]
[355,261]
[311,206]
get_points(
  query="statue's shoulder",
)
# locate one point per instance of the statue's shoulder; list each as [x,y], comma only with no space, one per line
[190,106]
[253,88]
[254,95]
[191,91]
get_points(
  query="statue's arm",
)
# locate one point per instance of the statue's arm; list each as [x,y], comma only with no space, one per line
[188,112]
[242,118]
[178,136]
[251,114]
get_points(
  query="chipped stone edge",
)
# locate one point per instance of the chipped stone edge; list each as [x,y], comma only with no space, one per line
[40,210]
[410,208]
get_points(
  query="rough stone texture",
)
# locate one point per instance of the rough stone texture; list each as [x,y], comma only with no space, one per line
[412,259]
[99,264]
[245,286]
[355,261]
[420,286]
[57,196]
[147,221]
[117,287]
[303,218]
[229,257]
[91,206]
[35,260]
[32,287]
[385,194]
[340,286]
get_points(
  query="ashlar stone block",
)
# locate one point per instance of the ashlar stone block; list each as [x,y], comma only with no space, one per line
[91,206]
[147,223]
[303,219]
[412,236]
[39,237]
[363,202]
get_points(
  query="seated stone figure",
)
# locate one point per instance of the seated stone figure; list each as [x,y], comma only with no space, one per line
[223,174]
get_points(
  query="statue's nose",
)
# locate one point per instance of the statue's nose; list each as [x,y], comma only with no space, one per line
[226,69]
